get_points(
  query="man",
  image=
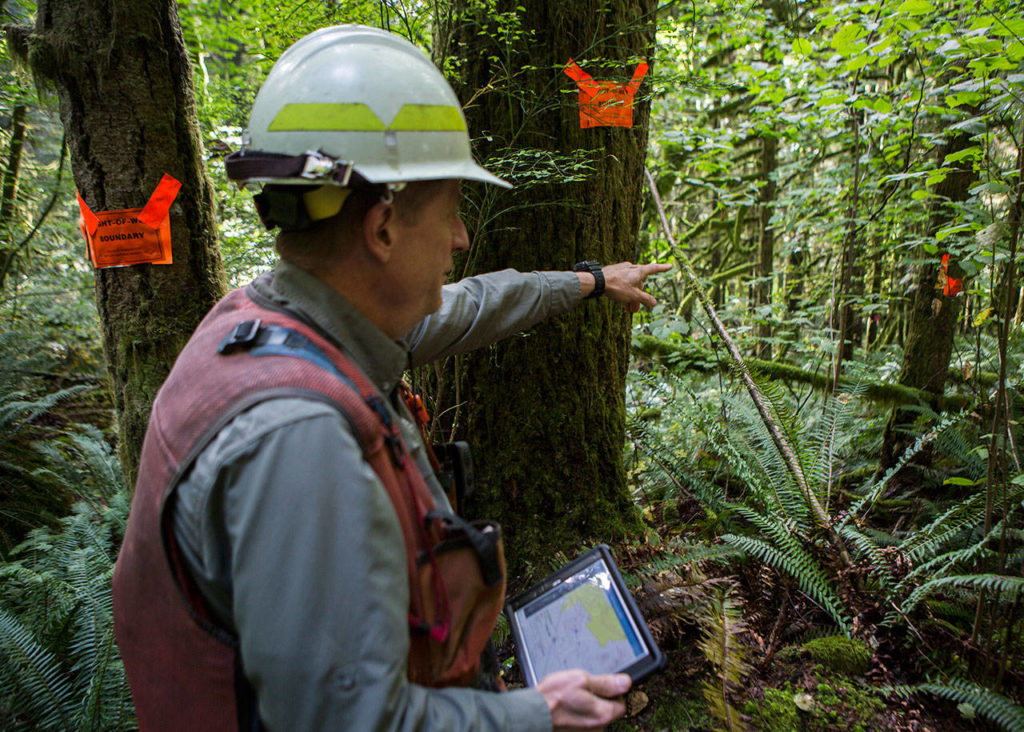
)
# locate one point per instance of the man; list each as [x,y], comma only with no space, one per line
[279,567]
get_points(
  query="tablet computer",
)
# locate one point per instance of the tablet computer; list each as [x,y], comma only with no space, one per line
[582,616]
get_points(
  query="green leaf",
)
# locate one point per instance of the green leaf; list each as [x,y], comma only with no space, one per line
[967,97]
[984,45]
[985,66]
[936,177]
[942,234]
[915,7]
[1010,27]
[993,187]
[845,37]
[981,318]
[883,106]
[802,47]
[920,195]
[858,62]
[972,153]
[830,100]
[930,248]
[955,480]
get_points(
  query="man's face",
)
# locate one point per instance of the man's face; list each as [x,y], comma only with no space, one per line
[425,243]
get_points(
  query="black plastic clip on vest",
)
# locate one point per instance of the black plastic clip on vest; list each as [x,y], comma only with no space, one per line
[243,334]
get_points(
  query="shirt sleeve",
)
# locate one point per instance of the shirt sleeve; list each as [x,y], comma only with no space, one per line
[286,517]
[478,311]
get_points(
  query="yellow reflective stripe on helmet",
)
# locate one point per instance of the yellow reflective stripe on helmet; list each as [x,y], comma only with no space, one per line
[325,116]
[428,118]
[357,117]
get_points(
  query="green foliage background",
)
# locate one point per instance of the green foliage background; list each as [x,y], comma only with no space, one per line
[859,99]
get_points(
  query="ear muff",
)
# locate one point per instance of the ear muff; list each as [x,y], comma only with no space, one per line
[325,201]
[297,208]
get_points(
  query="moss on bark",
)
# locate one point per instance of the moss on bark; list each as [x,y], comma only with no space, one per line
[545,412]
[125,87]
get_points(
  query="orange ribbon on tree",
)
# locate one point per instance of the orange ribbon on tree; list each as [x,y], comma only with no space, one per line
[952,285]
[605,103]
[132,235]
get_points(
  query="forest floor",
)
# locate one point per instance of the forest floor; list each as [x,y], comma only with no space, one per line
[771,700]
[786,691]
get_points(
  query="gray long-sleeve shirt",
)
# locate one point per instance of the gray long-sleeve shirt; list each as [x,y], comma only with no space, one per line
[293,541]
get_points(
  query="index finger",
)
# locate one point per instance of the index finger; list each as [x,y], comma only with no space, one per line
[654,267]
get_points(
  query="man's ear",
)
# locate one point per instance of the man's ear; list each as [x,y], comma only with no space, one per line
[378,225]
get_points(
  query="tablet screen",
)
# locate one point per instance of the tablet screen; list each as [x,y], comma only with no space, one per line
[581,617]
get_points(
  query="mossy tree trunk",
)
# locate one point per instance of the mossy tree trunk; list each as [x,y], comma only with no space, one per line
[545,412]
[933,315]
[127,104]
[9,189]
[766,247]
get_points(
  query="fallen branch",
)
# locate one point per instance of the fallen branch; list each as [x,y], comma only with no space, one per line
[691,357]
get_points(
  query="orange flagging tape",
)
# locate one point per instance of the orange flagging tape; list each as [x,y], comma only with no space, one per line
[605,103]
[953,285]
[131,235]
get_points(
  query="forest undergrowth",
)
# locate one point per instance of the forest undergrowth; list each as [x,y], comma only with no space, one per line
[912,620]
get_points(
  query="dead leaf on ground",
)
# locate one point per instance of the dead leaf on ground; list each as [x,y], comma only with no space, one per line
[636,702]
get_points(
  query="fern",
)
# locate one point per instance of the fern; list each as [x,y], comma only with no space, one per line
[961,517]
[990,705]
[802,568]
[678,472]
[33,680]
[694,555]
[723,626]
[879,560]
[56,625]
[862,507]
[37,482]
[998,582]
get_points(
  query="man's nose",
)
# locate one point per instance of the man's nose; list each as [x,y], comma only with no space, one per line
[460,237]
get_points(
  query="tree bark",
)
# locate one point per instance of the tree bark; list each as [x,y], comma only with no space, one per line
[766,246]
[126,101]
[850,286]
[933,316]
[545,413]
[9,190]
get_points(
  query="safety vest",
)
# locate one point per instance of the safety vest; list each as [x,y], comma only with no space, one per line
[184,670]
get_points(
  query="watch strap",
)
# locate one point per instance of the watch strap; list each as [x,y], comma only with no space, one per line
[595,269]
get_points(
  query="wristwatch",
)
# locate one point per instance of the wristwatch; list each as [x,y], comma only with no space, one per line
[595,269]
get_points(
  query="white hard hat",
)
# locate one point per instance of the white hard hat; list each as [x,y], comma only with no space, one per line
[354,98]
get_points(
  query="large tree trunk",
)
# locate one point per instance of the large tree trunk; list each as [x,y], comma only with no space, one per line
[128,108]
[933,315]
[545,413]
